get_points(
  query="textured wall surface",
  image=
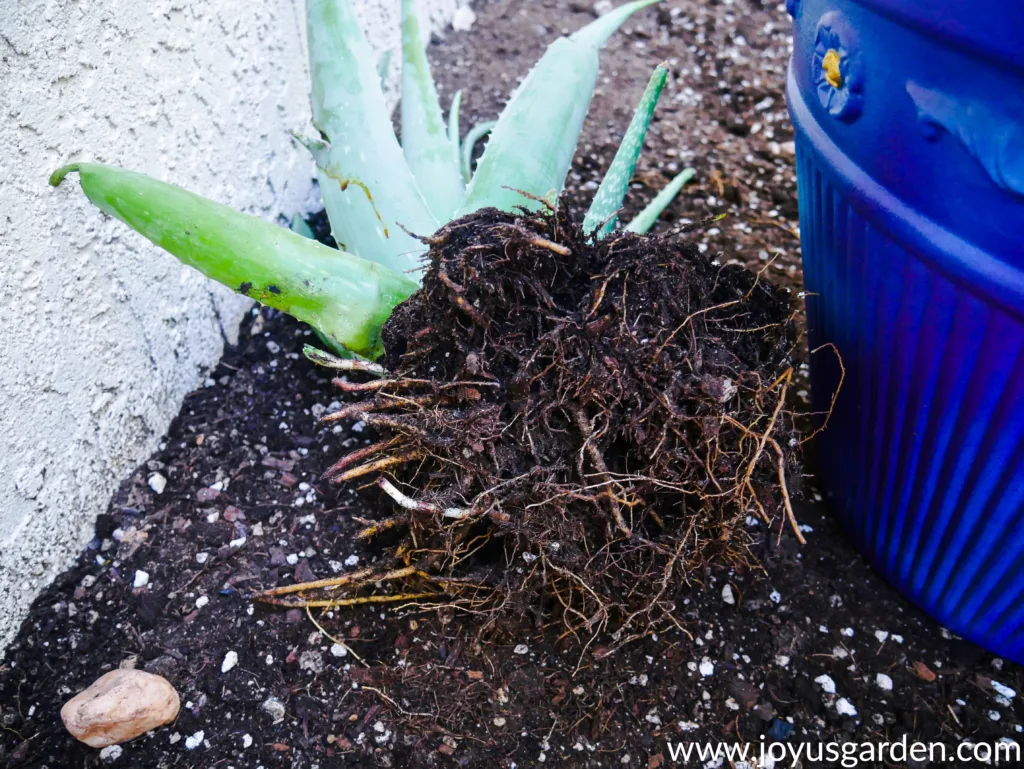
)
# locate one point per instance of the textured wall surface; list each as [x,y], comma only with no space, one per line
[103,334]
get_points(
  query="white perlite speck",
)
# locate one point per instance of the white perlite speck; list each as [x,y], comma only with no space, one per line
[337,650]
[246,741]
[727,595]
[826,683]
[706,667]
[521,649]
[463,19]
[274,708]
[230,660]
[845,708]
[201,601]
[193,742]
[111,753]
[352,560]
[158,483]
[1004,690]
[775,596]
[884,682]
[141,578]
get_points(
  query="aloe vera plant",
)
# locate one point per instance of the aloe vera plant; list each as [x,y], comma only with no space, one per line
[382,197]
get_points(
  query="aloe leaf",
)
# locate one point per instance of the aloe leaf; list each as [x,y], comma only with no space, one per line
[646,218]
[476,133]
[345,298]
[455,132]
[425,139]
[532,146]
[299,226]
[615,185]
[369,192]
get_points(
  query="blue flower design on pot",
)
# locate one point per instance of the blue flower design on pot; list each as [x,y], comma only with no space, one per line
[836,69]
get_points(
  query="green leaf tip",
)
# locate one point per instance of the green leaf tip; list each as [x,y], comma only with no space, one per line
[426,141]
[598,32]
[646,218]
[369,191]
[610,195]
[476,133]
[533,143]
[58,176]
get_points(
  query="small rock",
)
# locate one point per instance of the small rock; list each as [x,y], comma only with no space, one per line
[207,495]
[120,706]
[158,483]
[304,573]
[230,660]
[274,708]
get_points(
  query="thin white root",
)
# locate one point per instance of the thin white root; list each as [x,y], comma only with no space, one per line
[409,503]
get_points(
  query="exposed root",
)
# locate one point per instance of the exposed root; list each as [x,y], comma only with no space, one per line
[411,504]
[585,423]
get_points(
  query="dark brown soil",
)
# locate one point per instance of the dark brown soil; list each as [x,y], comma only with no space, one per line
[243,510]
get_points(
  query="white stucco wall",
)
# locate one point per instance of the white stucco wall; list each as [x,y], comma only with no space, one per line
[103,334]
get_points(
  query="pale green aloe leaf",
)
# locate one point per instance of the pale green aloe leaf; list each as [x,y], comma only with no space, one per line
[476,133]
[369,192]
[299,226]
[602,214]
[646,218]
[425,139]
[455,133]
[344,298]
[532,146]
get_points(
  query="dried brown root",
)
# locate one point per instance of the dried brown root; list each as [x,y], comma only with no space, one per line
[373,467]
[361,454]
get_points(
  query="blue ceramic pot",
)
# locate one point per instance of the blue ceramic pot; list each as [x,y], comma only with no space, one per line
[909,121]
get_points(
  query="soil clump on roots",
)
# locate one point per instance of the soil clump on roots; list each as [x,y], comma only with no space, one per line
[571,425]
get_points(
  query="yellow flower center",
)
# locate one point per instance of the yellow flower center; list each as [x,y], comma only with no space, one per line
[830,64]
